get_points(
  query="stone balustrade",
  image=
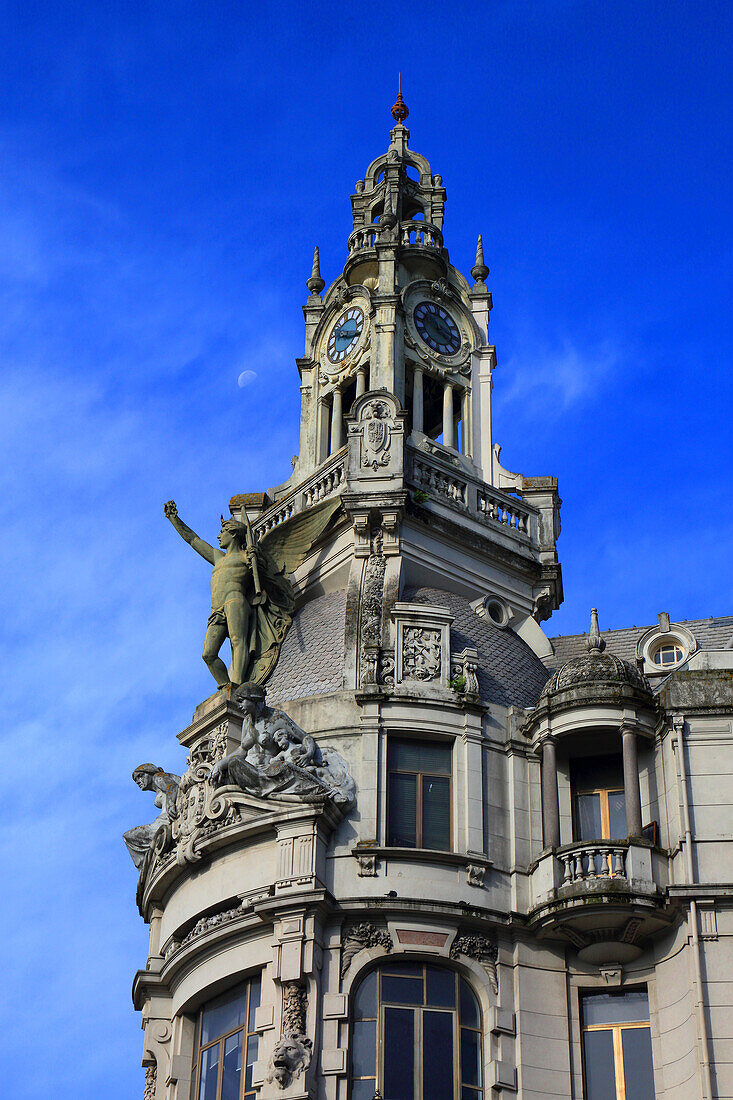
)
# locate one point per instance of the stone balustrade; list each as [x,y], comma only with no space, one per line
[506,510]
[420,233]
[323,483]
[593,861]
[448,484]
[363,238]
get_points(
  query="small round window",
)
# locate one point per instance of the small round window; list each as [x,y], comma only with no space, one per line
[667,654]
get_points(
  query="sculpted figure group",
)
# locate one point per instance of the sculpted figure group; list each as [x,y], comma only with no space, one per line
[275,759]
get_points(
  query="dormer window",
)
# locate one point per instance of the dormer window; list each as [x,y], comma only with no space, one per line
[668,654]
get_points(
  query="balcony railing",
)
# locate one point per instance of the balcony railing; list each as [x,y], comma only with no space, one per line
[423,234]
[453,487]
[324,482]
[593,861]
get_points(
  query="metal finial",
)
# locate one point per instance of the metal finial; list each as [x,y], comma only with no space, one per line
[400,110]
[595,642]
[315,284]
[479,270]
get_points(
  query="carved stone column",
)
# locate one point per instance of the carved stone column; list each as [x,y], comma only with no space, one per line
[448,415]
[324,414]
[632,792]
[417,400]
[337,421]
[360,381]
[550,801]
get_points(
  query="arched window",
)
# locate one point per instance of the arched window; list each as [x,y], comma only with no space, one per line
[226,1046]
[416,1035]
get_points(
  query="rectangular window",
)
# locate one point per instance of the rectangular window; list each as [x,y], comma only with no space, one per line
[419,794]
[227,1045]
[617,1048]
[599,802]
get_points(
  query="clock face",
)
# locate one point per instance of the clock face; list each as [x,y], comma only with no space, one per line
[437,328]
[345,334]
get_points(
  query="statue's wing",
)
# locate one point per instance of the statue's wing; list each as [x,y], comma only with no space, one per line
[289,544]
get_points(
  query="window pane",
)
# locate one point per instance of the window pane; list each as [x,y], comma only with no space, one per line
[437,1057]
[436,813]
[364,1052]
[402,831]
[441,987]
[600,1075]
[223,1014]
[365,1002]
[209,1073]
[254,1001]
[637,1048]
[469,1005]
[364,1090]
[617,814]
[253,1045]
[588,812]
[418,756]
[404,991]
[399,1045]
[616,1008]
[232,1071]
[470,1057]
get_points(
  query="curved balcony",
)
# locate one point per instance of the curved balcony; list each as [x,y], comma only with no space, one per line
[604,896]
[416,233]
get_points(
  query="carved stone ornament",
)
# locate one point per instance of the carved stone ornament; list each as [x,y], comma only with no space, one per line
[483,950]
[149,777]
[367,864]
[275,760]
[151,1082]
[421,653]
[372,599]
[358,938]
[475,873]
[377,425]
[293,1051]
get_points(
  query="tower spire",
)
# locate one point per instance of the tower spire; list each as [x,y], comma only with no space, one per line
[479,270]
[315,284]
[400,110]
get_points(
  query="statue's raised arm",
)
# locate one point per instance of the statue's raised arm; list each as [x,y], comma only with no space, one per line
[203,548]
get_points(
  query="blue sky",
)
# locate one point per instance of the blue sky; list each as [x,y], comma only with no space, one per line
[167,169]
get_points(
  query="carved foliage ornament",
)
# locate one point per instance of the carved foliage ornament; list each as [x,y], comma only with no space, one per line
[483,950]
[359,937]
[151,1082]
[372,598]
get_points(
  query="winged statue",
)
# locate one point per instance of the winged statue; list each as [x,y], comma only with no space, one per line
[252,596]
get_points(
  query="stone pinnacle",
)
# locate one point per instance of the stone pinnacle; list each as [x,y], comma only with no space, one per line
[479,270]
[595,642]
[315,284]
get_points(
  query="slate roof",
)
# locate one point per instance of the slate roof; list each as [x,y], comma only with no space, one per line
[509,673]
[312,654]
[710,634]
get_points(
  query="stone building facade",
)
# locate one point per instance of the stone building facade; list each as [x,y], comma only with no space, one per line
[447,857]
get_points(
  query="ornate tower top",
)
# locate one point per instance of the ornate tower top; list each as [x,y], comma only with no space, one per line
[400,110]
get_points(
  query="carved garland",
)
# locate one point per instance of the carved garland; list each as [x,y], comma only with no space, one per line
[372,599]
[483,950]
[359,937]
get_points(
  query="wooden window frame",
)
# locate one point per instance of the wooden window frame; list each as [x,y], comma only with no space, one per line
[604,792]
[200,1049]
[420,776]
[617,1031]
[419,1010]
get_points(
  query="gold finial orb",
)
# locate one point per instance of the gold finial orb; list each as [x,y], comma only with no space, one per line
[400,110]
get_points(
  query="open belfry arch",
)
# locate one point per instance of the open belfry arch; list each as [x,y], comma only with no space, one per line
[416,850]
